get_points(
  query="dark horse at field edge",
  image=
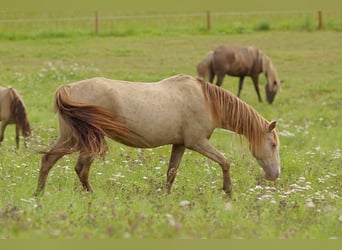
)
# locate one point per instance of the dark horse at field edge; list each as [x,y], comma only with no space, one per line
[13,111]
[240,62]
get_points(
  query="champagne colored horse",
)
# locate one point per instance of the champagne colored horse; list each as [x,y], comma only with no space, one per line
[12,111]
[181,110]
[240,62]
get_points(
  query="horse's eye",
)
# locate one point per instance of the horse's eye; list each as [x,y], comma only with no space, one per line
[275,82]
[273,145]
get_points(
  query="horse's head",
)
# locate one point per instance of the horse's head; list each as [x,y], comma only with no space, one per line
[271,89]
[267,152]
[273,84]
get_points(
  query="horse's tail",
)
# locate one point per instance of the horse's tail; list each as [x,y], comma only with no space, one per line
[89,124]
[19,111]
[205,67]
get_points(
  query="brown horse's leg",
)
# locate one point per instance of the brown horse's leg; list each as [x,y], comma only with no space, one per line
[211,77]
[219,79]
[176,157]
[205,148]
[82,169]
[2,130]
[47,162]
[256,86]
[240,85]
[17,135]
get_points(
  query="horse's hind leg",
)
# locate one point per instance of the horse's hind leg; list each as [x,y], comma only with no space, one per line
[82,169]
[47,162]
[176,157]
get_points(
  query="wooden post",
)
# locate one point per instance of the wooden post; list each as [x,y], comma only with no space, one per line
[96,22]
[208,21]
[320,20]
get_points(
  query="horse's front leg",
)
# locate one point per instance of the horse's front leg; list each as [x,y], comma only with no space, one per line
[256,86]
[175,159]
[17,136]
[211,76]
[219,79]
[2,130]
[205,148]
[240,85]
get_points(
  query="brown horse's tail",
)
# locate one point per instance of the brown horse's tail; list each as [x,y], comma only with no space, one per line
[89,124]
[19,112]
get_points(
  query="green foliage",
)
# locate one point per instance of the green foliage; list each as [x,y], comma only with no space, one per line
[129,199]
[56,24]
[263,26]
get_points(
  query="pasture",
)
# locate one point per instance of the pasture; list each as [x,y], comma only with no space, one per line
[129,199]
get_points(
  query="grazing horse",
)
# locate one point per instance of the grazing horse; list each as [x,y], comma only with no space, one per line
[241,62]
[181,110]
[12,111]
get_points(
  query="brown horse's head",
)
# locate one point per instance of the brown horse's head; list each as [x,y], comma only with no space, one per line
[21,117]
[271,90]
[273,84]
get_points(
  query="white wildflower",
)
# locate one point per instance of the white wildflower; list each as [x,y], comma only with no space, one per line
[228,206]
[309,203]
[184,203]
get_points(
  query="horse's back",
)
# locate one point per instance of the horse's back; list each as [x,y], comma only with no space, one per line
[160,111]
[236,61]
[107,92]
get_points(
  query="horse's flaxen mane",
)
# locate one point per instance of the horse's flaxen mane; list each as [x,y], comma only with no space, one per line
[234,114]
[19,112]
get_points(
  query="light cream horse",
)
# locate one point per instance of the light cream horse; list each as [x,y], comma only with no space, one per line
[13,111]
[182,111]
[241,62]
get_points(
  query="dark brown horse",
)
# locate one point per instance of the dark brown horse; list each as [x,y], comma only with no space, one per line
[182,111]
[240,62]
[13,111]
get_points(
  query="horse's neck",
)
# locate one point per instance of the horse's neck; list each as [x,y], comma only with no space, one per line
[242,119]
[231,113]
[267,66]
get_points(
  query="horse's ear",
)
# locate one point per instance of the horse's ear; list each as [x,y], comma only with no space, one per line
[282,81]
[272,126]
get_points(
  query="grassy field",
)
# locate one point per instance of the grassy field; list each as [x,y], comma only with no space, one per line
[129,199]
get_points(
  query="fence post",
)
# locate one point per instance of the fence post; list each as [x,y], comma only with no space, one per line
[208,21]
[96,22]
[320,20]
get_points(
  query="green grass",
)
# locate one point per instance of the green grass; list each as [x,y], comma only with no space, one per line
[129,199]
[123,25]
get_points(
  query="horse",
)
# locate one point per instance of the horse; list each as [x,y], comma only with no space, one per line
[204,67]
[181,111]
[241,62]
[13,111]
